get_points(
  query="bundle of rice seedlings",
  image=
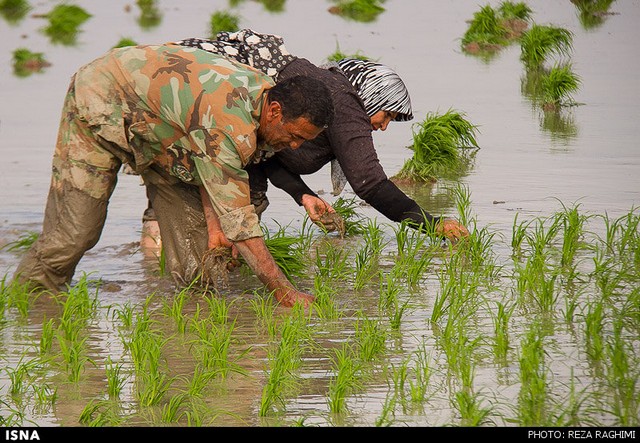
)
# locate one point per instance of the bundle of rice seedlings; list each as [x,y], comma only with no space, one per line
[541,41]
[558,85]
[64,21]
[437,146]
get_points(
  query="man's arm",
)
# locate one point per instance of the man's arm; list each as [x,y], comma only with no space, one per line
[257,256]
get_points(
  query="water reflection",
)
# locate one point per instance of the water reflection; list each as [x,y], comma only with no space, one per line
[150,15]
[14,11]
[560,124]
[592,13]
[269,5]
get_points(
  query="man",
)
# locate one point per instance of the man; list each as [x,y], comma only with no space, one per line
[188,122]
[366,95]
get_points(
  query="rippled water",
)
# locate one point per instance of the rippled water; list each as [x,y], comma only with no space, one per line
[529,164]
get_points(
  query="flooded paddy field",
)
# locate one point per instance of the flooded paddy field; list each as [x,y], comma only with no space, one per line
[534,321]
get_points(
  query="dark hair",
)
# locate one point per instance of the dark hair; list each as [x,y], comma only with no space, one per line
[303,96]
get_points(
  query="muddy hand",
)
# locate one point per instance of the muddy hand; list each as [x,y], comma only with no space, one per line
[289,297]
[315,207]
[451,229]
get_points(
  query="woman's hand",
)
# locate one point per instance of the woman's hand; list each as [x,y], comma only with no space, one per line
[451,229]
[315,207]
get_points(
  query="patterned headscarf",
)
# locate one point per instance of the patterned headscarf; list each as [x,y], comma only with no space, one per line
[379,87]
[265,52]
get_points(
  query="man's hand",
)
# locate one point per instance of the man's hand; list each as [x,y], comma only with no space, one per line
[217,238]
[289,297]
[451,229]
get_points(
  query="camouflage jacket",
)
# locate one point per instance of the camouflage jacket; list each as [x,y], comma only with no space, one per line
[189,113]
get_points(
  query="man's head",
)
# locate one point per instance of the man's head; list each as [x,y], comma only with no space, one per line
[296,110]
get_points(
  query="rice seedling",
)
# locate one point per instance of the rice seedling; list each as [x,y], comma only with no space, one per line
[441,146]
[571,304]
[387,415]
[558,85]
[370,338]
[25,240]
[485,30]
[399,377]
[533,396]
[594,326]
[541,42]
[212,346]
[223,21]
[459,350]
[324,305]
[152,387]
[115,379]
[510,10]
[125,314]
[124,42]
[389,290]
[284,360]
[199,381]
[573,223]
[150,15]
[501,318]
[45,397]
[478,249]
[46,336]
[100,413]
[74,356]
[346,379]
[365,267]
[413,258]
[218,307]
[396,313]
[145,347]
[544,291]
[462,197]
[78,307]
[622,376]
[338,55]
[469,406]
[605,274]
[331,263]
[175,308]
[422,371]
[263,309]
[64,23]
[162,262]
[458,297]
[172,410]
[20,296]
[358,10]
[14,11]
[286,251]
[629,234]
[14,418]
[354,223]
[518,235]
[20,376]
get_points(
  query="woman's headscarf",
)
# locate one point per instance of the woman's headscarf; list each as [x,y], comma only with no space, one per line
[379,87]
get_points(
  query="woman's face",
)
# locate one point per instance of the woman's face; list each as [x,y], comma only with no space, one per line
[380,120]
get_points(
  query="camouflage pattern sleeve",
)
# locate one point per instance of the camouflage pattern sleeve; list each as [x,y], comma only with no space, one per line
[188,112]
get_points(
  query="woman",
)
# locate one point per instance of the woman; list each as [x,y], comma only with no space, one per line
[367,96]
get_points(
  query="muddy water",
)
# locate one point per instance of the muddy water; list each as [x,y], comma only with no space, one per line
[529,164]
